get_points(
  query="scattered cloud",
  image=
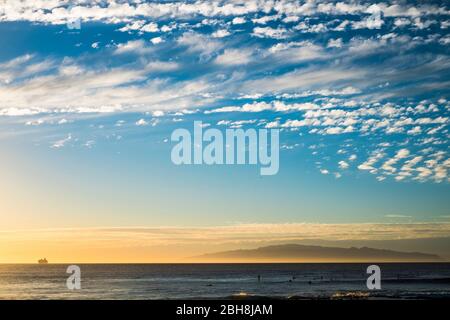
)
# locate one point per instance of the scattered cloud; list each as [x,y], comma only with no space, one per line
[62,142]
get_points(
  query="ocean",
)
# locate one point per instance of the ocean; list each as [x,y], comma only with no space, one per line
[223,281]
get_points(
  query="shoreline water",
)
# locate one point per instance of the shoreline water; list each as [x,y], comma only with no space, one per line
[226,281]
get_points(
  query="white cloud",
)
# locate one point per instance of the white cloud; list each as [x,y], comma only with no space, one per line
[415,130]
[235,124]
[324,92]
[372,22]
[141,122]
[268,32]
[402,153]
[61,143]
[369,164]
[220,33]
[291,52]
[265,19]
[156,40]
[234,57]
[135,25]
[199,43]
[335,43]
[337,130]
[342,26]
[307,28]
[389,164]
[71,88]
[36,122]
[150,27]
[272,124]
[158,113]
[56,12]
[133,46]
[290,19]
[301,79]
[239,20]
[401,22]
[276,106]
[343,164]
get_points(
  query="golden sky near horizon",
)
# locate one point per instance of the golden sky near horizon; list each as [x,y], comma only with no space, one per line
[176,244]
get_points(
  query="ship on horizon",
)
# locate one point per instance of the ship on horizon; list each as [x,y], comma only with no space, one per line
[43,261]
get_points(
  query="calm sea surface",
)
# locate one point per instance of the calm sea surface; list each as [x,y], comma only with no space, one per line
[192,281]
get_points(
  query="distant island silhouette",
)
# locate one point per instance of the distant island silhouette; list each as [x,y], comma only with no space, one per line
[309,253]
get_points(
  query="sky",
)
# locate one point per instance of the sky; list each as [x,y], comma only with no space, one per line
[90,92]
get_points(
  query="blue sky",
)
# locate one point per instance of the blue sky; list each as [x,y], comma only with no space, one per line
[359,91]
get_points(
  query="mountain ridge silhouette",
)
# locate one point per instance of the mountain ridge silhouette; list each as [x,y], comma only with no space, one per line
[314,253]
